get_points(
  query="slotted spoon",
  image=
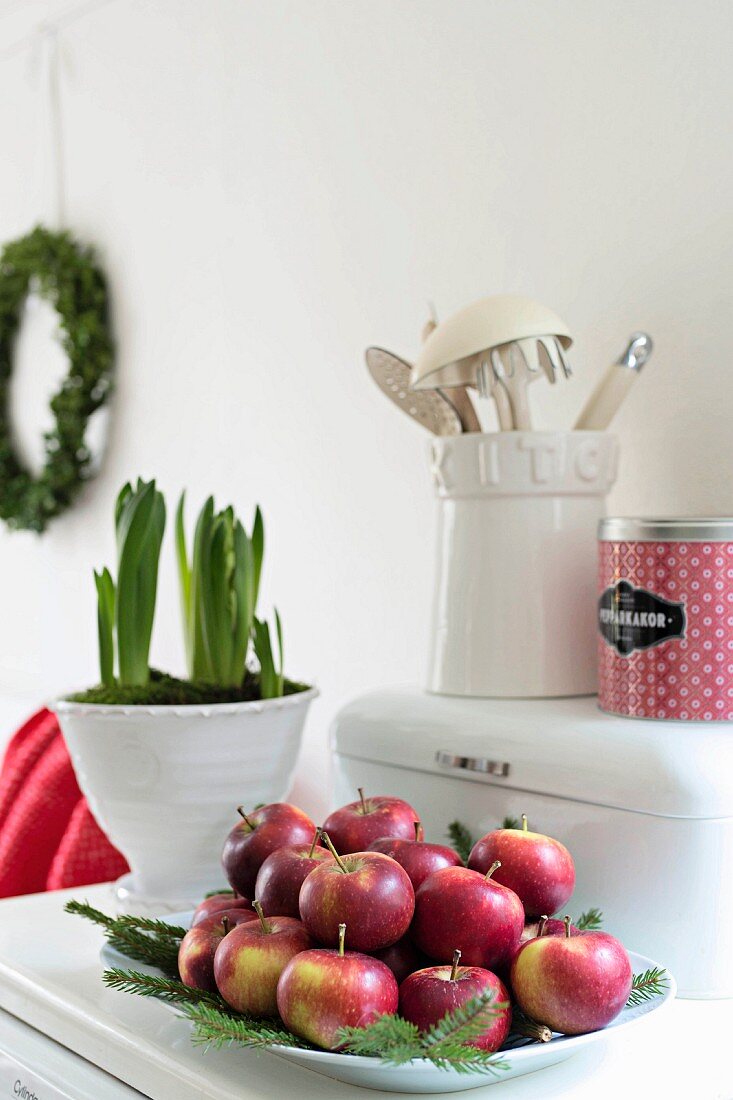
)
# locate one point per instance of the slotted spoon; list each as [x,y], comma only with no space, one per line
[432,409]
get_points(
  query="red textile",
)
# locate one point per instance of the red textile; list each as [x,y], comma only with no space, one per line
[48,837]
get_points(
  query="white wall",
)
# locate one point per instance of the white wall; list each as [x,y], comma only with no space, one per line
[275,184]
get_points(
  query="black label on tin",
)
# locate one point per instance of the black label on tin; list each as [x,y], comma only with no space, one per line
[631,618]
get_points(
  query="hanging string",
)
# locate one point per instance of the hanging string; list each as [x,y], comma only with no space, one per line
[63,21]
[45,47]
[55,117]
[49,169]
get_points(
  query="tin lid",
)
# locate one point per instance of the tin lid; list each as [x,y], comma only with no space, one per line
[666,529]
[562,748]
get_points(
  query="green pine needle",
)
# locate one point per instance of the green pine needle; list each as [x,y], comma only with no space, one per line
[162,953]
[511,823]
[214,1027]
[397,1042]
[84,909]
[461,839]
[590,921]
[445,1044]
[140,938]
[393,1039]
[644,987]
[149,924]
[161,988]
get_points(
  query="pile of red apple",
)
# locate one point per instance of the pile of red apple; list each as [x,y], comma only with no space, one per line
[361,917]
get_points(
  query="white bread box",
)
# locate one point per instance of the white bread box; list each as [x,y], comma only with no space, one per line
[646,808]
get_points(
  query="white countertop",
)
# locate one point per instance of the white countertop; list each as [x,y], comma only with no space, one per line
[50,977]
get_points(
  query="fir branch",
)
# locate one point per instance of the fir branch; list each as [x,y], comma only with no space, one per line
[470,1060]
[144,948]
[394,1040]
[461,839]
[161,928]
[84,909]
[590,921]
[215,1027]
[125,934]
[446,1044]
[390,1038]
[644,987]
[511,823]
[159,987]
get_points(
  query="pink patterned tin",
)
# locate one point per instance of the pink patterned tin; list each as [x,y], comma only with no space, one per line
[665,618]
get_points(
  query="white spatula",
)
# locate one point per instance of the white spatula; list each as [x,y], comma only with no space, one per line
[614,385]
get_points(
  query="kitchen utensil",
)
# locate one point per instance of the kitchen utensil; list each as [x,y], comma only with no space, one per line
[421,1076]
[498,344]
[512,373]
[448,356]
[432,409]
[613,387]
[458,396]
[490,384]
[665,618]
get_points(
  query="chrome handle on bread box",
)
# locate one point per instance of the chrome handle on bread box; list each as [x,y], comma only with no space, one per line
[479,764]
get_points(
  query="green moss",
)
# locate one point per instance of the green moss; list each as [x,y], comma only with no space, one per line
[165,690]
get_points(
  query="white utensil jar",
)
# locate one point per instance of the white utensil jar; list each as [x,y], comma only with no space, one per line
[515,592]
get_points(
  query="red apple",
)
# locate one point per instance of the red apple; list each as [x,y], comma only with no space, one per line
[232,916]
[418,858]
[367,890]
[249,961]
[536,867]
[198,947]
[573,984]
[550,926]
[354,827]
[545,926]
[402,958]
[427,995]
[457,907]
[218,903]
[321,991]
[258,834]
[282,874]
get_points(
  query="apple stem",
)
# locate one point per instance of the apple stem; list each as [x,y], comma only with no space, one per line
[266,926]
[418,827]
[342,939]
[225,925]
[494,867]
[316,835]
[541,925]
[242,814]
[567,922]
[454,968]
[364,809]
[327,841]
[523,1025]
[525,825]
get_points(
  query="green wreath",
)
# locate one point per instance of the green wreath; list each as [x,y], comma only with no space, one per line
[63,272]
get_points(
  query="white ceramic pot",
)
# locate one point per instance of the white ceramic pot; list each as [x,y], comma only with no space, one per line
[515,592]
[164,782]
